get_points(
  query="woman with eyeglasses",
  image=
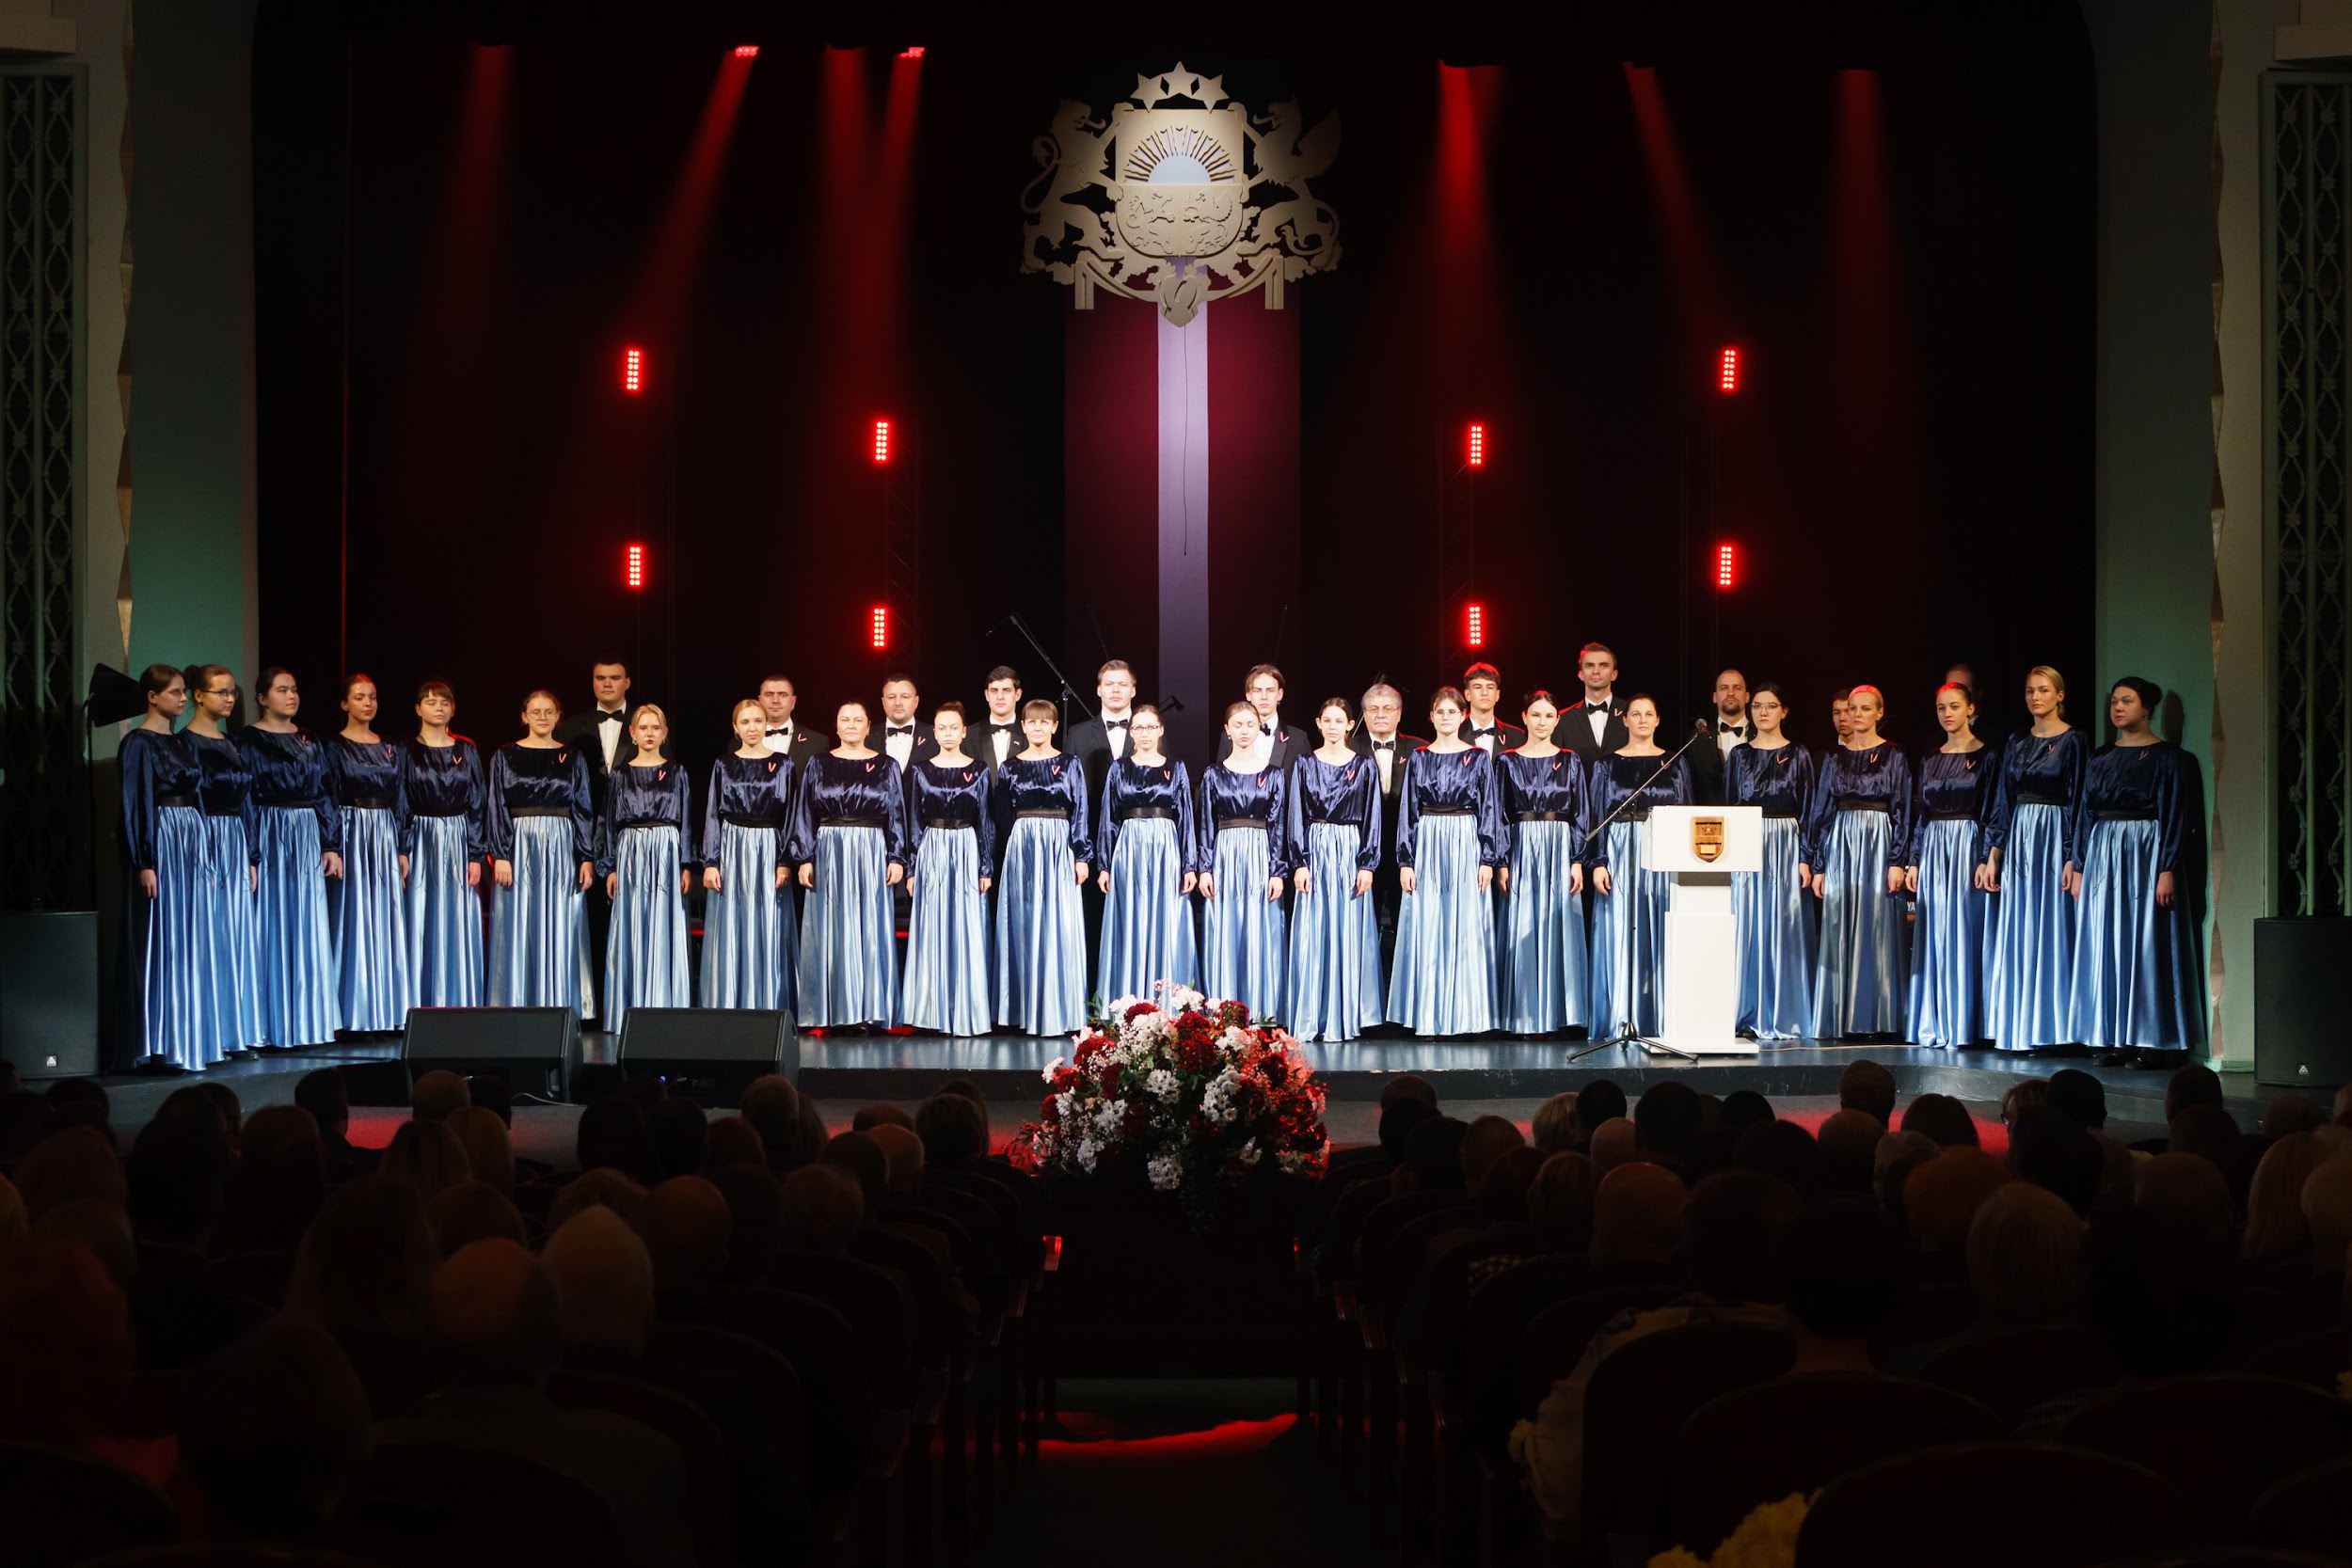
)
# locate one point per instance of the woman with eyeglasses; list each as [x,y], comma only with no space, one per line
[444,838]
[301,842]
[850,840]
[1144,846]
[542,830]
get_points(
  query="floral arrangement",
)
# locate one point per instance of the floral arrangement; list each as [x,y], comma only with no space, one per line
[1767,1538]
[1193,1092]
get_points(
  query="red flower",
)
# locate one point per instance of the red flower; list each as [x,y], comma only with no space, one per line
[1137,1121]
[1110,1078]
[1051,1110]
[1138,1010]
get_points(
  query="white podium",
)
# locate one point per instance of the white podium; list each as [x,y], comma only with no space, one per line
[1699,993]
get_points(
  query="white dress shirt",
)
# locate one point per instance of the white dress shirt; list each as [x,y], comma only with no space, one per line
[898,740]
[780,738]
[1599,720]
[1002,741]
[1115,732]
[609,735]
[1384,753]
[1738,734]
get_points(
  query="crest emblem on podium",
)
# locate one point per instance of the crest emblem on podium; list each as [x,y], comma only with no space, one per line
[1707,838]
[1181,197]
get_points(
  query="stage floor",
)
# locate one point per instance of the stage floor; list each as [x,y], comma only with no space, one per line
[1008,1068]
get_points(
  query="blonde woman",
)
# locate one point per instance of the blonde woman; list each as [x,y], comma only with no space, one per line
[748,938]
[2029,977]
[542,831]
[647,868]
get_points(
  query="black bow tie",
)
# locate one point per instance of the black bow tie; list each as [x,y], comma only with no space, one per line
[1265,729]
[1721,728]
[1384,745]
[1596,707]
[781,729]
[610,715]
[1114,723]
[900,729]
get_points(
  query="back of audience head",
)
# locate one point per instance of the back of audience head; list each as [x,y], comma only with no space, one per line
[772,1107]
[327,1098]
[435,1094]
[25,1120]
[279,1181]
[733,1141]
[70,1329]
[1409,1085]
[2291,1113]
[274,1430]
[1666,1121]
[78,1163]
[1502,1194]
[1555,1123]
[1897,1156]
[754,1219]
[1942,1196]
[1432,1156]
[427,1156]
[964,1088]
[1560,1202]
[604,1283]
[2275,1227]
[2188,1189]
[822,1208]
[812,1125]
[2207,1132]
[1743,1108]
[1485,1141]
[1614,1142]
[1845,1273]
[601,1188]
[867,1117]
[1637,1214]
[1787,1152]
[1598,1102]
[1849,1142]
[178,1175]
[99,1225]
[1397,1121]
[679,1131]
[2156,1290]
[66,1093]
[902,1151]
[1865,1086]
[2022,1097]
[471,1210]
[224,1100]
[954,1129]
[2050,1149]
[613,1136]
[489,1150]
[2327,1213]
[2079,1098]
[1944,1120]
[2194,1084]
[364,1260]
[862,1156]
[1731,1231]
[2024,1252]
[688,1228]
[491,1316]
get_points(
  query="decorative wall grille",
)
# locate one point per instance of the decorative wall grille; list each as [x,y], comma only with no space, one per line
[44,861]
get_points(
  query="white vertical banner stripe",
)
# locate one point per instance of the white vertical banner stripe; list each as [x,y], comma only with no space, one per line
[1184,662]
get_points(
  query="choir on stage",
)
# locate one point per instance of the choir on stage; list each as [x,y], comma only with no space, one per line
[952,876]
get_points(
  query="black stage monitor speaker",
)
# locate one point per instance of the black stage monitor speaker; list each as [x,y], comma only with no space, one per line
[709,1053]
[49,994]
[2301,1039]
[534,1048]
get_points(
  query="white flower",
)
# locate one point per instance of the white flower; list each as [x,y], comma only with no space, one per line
[1291,1164]
[1250,1152]
[1106,1115]
[1166,1171]
[1052,1068]
[1234,1041]
[1086,1151]
[1064,1101]
[1162,1084]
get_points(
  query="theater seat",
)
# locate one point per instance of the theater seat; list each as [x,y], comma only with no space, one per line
[2306,1512]
[2015,1370]
[2025,1505]
[63,1507]
[449,1506]
[2221,1437]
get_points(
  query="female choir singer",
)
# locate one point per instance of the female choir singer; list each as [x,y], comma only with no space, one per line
[1241,819]
[543,847]
[188,1011]
[1772,914]
[646,870]
[850,840]
[952,849]
[1449,839]
[1630,909]
[1144,845]
[371,939]
[747,915]
[2041,784]
[1334,849]
[443,837]
[1040,934]
[2138,990]
[232,877]
[1543,971]
[300,843]
[1857,838]
[1948,875]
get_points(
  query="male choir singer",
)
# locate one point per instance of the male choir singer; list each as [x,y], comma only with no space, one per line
[602,735]
[1104,739]
[1379,738]
[1263,690]
[1482,684]
[1726,727]
[786,735]
[998,735]
[1595,728]
[906,738]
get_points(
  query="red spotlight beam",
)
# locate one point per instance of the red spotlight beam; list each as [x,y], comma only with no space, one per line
[679,233]
[1690,247]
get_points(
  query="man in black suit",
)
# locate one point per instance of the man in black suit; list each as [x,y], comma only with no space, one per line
[1262,688]
[777,698]
[904,736]
[1595,728]
[602,735]
[1099,741]
[1481,687]
[998,735]
[1379,738]
[1728,726]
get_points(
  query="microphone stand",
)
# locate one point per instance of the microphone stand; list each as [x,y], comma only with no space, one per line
[1069,692]
[1626,1036]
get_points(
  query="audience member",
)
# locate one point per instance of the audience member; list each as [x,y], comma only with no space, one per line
[1502,1194]
[686,1225]
[16,1221]
[1848,1142]
[1596,1102]
[2051,1148]
[822,1208]
[601,1188]
[963,1089]
[612,1136]
[1945,1121]
[2194,1084]
[490,1150]
[1636,1215]
[1433,1158]
[2022,1097]
[99,1225]
[1555,1123]
[80,1102]
[364,1261]
[2156,1292]
[2328,1212]
[861,1155]
[78,1163]
[2024,1252]
[772,1107]
[1865,1086]
[812,1127]
[1666,1121]
[25,1120]
[278,1184]
[224,1101]
[1743,1108]
[1845,1273]
[755,1221]
[70,1330]
[2182,1187]
[472,1211]
[2079,1098]
[274,1430]
[435,1094]
[867,1117]
[2291,1113]
[1483,1142]
[427,1156]
[2276,1231]
[2207,1132]
[954,1130]
[183,1308]
[733,1141]
[1941,1201]
[679,1129]
[902,1156]
[1614,1142]
[1560,1202]
[1398,1118]
[1892,1163]
[489,1091]
[327,1098]
[1787,1151]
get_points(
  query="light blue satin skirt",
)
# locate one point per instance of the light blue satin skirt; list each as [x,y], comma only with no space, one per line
[539,926]
[1773,919]
[645,952]
[1950,939]
[748,940]
[1443,982]
[1242,930]
[1146,920]
[1859,985]
[1335,942]
[848,969]
[1040,934]
[1544,983]
[363,905]
[946,984]
[1632,916]
[2137,980]
[194,1002]
[445,956]
[294,944]
[2028,982]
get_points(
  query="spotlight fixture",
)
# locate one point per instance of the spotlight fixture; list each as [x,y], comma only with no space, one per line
[746,50]
[1724,576]
[880,633]
[633,567]
[1728,371]
[882,445]
[1474,625]
[1477,448]
[632,370]
[911,52]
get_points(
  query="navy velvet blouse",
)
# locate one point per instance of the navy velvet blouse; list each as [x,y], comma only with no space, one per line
[958,794]
[2136,782]
[1880,772]
[1049,784]
[1229,797]
[290,771]
[225,784]
[445,781]
[1348,794]
[1164,786]
[1452,782]
[2045,769]
[657,797]
[753,790]
[1614,778]
[537,779]
[1779,781]
[1552,786]
[155,765]
[848,789]
[1955,784]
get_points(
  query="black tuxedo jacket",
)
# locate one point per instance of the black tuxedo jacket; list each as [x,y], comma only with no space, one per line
[1508,735]
[1090,744]
[926,744]
[806,743]
[580,729]
[980,742]
[1706,758]
[1576,731]
[1290,743]
[1392,797]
